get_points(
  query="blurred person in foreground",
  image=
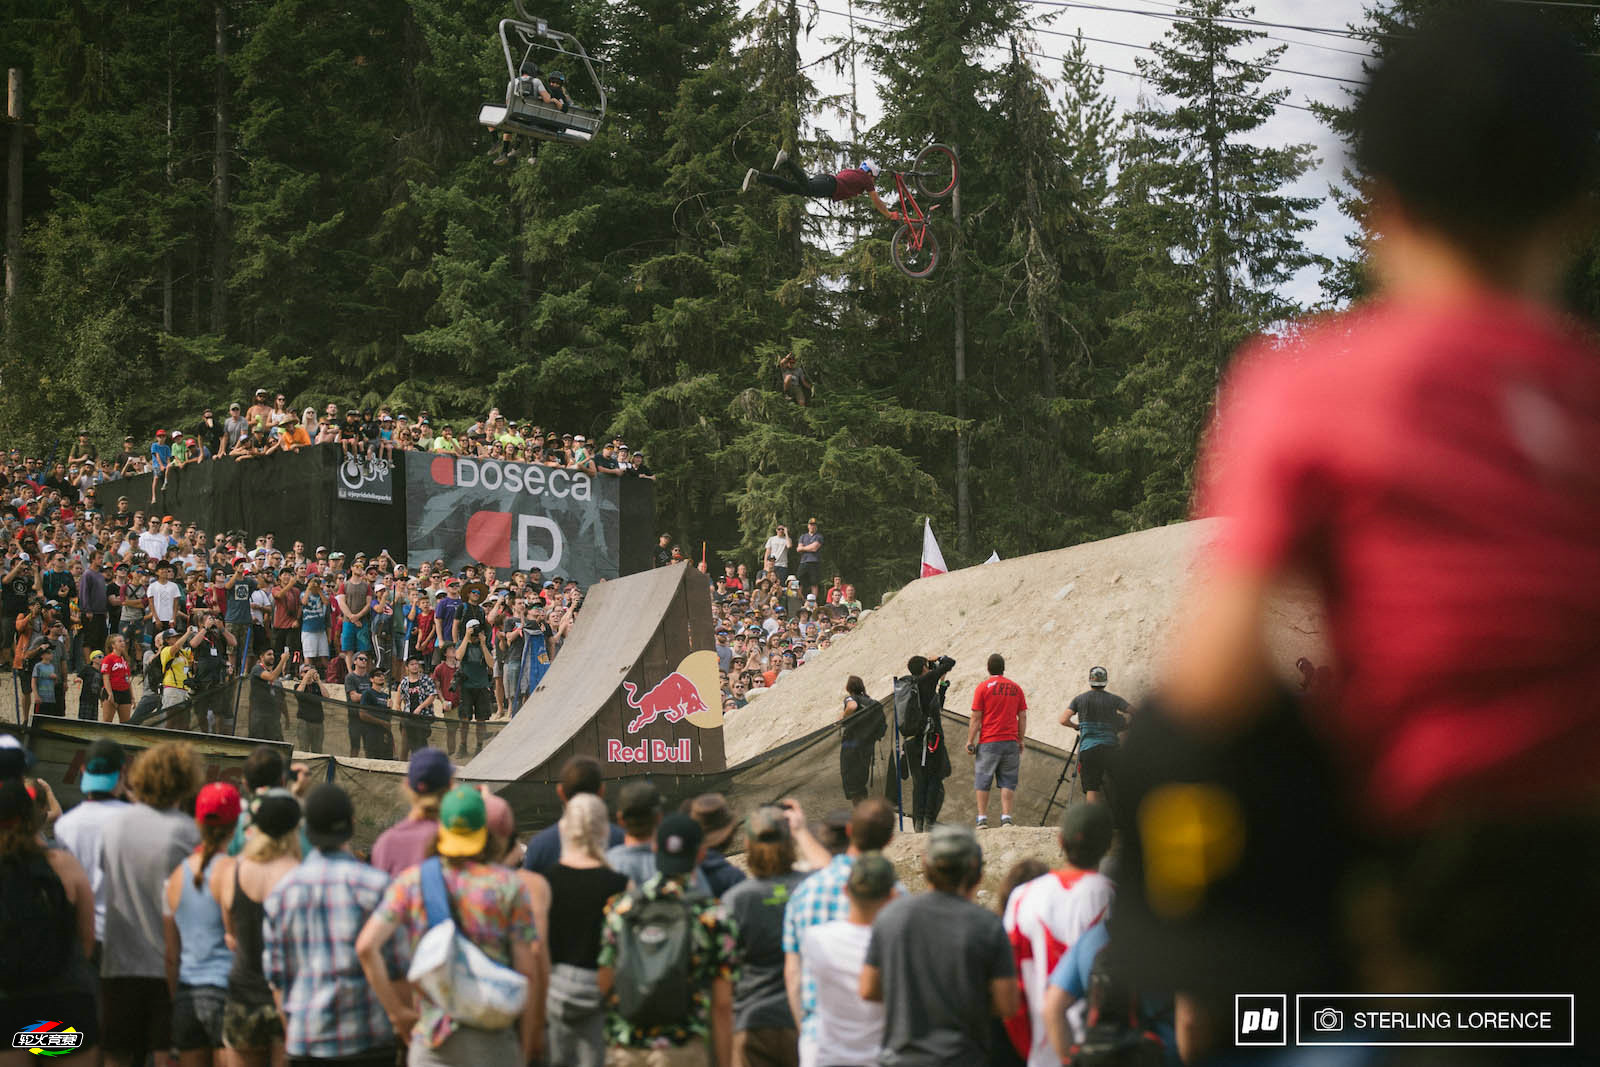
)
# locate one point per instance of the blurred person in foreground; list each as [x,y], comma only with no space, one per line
[764,1030]
[1429,461]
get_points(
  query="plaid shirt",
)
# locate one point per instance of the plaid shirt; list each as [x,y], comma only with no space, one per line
[817,900]
[309,954]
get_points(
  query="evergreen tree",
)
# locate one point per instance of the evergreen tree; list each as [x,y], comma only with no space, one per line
[1205,239]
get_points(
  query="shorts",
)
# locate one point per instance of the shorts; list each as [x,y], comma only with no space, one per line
[1093,763]
[171,695]
[135,1017]
[998,762]
[354,637]
[477,705]
[74,1009]
[133,631]
[810,574]
[197,1017]
[510,675]
[314,644]
[250,1025]
[121,696]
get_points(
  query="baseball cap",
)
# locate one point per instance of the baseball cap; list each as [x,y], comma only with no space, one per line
[102,766]
[638,798]
[330,817]
[275,812]
[216,805]
[463,822]
[678,844]
[871,876]
[161,433]
[954,846]
[429,770]
[1086,826]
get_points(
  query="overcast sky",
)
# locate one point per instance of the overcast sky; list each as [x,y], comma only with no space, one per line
[1309,52]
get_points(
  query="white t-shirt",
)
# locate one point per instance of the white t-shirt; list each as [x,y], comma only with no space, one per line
[778,549]
[261,606]
[80,831]
[164,597]
[153,545]
[848,1027]
[1043,918]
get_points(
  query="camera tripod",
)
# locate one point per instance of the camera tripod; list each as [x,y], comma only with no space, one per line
[1070,766]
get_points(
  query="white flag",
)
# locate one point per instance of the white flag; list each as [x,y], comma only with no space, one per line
[994,557]
[932,558]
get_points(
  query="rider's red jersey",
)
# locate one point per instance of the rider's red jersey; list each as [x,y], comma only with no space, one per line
[851,182]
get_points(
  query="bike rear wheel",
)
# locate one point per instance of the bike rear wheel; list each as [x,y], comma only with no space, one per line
[934,171]
[915,259]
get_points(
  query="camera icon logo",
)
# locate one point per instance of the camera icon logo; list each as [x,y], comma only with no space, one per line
[1328,1019]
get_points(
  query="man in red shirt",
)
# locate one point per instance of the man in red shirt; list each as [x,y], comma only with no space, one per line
[994,735]
[1430,462]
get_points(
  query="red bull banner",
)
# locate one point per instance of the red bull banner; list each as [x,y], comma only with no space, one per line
[513,516]
[688,697]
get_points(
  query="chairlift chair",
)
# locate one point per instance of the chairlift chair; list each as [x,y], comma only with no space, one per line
[526,116]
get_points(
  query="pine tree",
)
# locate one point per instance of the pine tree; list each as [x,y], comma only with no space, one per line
[1205,238]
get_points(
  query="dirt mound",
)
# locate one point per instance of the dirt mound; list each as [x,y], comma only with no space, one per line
[1052,615]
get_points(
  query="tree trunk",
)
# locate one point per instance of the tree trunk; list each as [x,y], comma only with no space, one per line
[166,257]
[219,201]
[16,134]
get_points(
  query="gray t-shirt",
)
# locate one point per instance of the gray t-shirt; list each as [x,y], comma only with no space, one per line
[937,954]
[81,832]
[756,906]
[138,850]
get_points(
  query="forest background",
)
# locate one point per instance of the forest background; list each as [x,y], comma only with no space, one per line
[229,194]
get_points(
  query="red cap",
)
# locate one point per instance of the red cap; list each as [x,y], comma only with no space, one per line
[217,804]
[161,433]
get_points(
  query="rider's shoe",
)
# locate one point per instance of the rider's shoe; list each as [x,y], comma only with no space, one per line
[783,157]
[501,160]
[749,176]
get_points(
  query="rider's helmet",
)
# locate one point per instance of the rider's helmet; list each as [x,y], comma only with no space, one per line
[870,167]
[557,78]
[530,68]
[1098,677]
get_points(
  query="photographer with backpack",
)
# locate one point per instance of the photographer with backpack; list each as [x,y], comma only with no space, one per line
[668,961]
[861,727]
[918,701]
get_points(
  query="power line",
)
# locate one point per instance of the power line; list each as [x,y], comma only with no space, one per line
[1061,59]
[1184,16]
[1148,48]
[1282,40]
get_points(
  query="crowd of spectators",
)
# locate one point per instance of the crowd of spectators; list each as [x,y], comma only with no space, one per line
[779,619]
[191,918]
[121,600]
[265,427]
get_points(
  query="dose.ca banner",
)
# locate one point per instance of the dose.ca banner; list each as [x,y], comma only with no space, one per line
[512,516]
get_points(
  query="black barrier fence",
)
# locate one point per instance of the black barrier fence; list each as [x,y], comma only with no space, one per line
[311,723]
[808,769]
[422,506]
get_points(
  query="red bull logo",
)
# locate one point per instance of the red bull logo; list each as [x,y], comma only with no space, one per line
[687,695]
[672,699]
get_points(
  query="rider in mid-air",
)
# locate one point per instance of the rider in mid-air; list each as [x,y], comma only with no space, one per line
[846,184]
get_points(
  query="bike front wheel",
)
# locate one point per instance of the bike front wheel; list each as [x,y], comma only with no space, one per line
[916,254]
[935,171]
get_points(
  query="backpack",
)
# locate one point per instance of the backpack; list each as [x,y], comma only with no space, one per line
[655,948]
[868,725]
[38,919]
[908,714]
[1113,1035]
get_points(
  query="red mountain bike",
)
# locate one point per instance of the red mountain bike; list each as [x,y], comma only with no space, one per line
[915,249]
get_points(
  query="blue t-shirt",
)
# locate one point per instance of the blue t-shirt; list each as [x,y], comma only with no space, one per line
[239,591]
[544,848]
[44,682]
[313,614]
[1072,976]
[161,453]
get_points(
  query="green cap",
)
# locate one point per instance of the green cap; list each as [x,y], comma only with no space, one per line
[463,822]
